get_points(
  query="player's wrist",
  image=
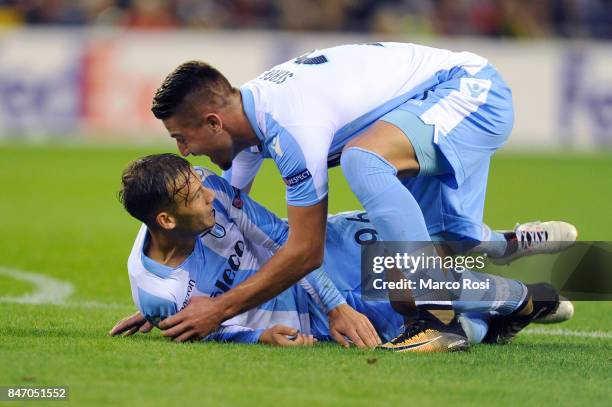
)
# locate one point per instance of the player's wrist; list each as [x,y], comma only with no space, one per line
[337,310]
[330,306]
[266,337]
[227,306]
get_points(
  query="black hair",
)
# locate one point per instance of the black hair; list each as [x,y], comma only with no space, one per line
[190,83]
[152,183]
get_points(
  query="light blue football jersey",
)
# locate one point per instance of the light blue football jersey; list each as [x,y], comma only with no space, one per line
[305,110]
[244,237]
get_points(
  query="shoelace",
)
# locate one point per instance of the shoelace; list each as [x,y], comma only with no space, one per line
[529,239]
[411,330]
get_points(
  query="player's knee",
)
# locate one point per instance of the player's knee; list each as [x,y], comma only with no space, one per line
[349,163]
[362,168]
[356,161]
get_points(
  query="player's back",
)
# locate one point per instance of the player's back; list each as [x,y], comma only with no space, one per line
[333,87]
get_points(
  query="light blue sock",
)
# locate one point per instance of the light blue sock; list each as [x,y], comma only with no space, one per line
[475,325]
[503,295]
[392,209]
[493,243]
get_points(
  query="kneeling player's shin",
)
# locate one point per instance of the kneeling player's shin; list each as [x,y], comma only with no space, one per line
[391,208]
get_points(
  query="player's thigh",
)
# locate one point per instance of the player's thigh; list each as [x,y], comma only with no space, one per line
[403,139]
[390,142]
[470,125]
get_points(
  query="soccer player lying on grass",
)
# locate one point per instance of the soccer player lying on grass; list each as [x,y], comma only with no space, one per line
[412,127]
[202,237]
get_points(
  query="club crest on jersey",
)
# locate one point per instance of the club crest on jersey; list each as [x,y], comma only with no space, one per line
[199,171]
[217,231]
[277,147]
[298,178]
[237,202]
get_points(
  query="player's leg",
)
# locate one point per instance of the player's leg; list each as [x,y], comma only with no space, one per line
[350,231]
[372,163]
[485,327]
[541,301]
[487,321]
[475,325]
[513,305]
[469,118]
[526,239]
[494,243]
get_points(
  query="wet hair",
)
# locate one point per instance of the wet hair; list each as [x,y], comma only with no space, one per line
[154,183]
[191,84]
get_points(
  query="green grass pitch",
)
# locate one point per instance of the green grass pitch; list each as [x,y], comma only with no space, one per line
[59,217]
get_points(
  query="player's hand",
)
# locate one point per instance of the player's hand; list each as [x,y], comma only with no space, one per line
[199,318]
[281,335]
[344,321]
[130,325]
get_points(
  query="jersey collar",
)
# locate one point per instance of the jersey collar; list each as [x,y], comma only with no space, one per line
[248,105]
[161,270]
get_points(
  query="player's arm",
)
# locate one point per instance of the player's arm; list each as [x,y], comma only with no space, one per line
[291,263]
[235,333]
[282,335]
[155,297]
[130,325]
[322,290]
[152,309]
[277,335]
[244,169]
[305,173]
[263,228]
[302,253]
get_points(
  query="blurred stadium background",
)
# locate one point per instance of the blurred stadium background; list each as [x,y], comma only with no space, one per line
[76,81]
[87,68]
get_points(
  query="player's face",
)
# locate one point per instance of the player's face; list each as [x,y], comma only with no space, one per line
[194,212]
[207,137]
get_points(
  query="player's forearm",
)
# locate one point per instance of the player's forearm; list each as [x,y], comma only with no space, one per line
[283,270]
[324,288]
[301,254]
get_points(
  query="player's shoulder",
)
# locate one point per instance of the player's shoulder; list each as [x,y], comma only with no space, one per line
[204,173]
[211,180]
[156,289]
[155,307]
[136,252]
[225,194]
[296,98]
[147,274]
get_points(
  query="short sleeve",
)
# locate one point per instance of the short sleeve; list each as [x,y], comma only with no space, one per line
[244,168]
[259,225]
[300,153]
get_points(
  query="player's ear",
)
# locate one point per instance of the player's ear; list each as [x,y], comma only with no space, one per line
[214,121]
[165,221]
